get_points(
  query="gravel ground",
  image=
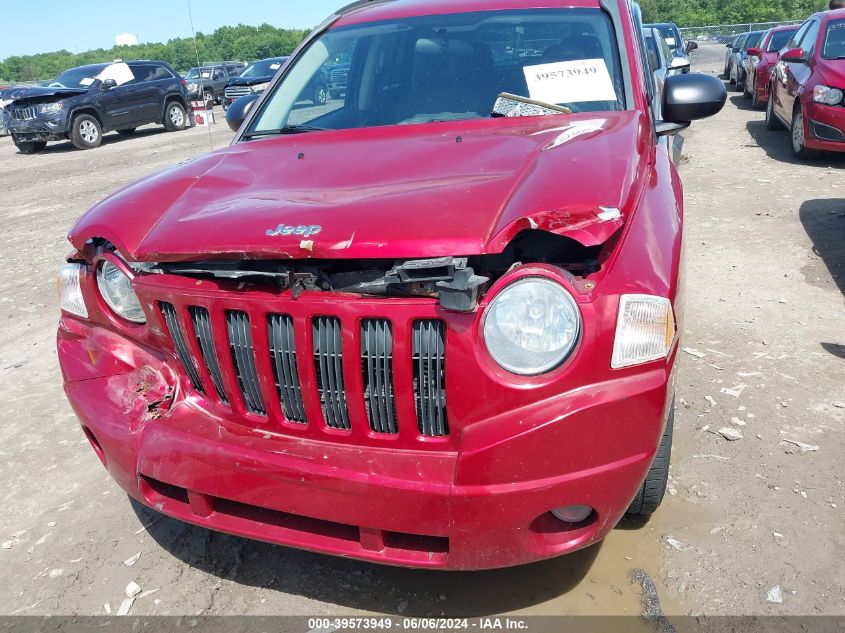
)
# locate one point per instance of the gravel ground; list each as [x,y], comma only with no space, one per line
[765,322]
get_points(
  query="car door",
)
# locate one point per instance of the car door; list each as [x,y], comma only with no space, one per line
[144,102]
[783,77]
[799,73]
[115,103]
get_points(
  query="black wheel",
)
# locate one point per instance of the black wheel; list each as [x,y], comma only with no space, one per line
[175,117]
[127,132]
[772,122]
[28,147]
[651,493]
[799,149]
[731,78]
[755,100]
[85,132]
[320,96]
[746,92]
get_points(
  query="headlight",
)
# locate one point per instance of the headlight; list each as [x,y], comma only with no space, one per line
[260,87]
[531,326]
[827,96]
[70,290]
[116,290]
[192,87]
[645,330]
[50,108]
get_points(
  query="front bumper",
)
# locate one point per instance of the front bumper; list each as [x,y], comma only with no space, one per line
[43,128]
[485,504]
[825,127]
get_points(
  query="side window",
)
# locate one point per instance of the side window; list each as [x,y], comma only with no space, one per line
[808,42]
[799,34]
[668,53]
[141,72]
[233,71]
[219,74]
[160,72]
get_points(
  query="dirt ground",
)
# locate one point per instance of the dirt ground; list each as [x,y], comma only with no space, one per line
[765,326]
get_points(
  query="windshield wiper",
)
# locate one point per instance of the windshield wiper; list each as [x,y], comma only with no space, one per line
[287,129]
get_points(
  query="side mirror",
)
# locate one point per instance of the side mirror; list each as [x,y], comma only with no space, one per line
[238,111]
[679,64]
[108,84]
[754,52]
[687,98]
[730,45]
[691,46]
[795,55]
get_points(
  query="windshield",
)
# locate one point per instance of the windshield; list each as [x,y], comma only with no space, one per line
[834,40]
[194,73]
[670,34]
[448,67]
[80,78]
[779,40]
[264,68]
[753,40]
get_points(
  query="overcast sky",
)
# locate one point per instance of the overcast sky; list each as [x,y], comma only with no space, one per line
[81,25]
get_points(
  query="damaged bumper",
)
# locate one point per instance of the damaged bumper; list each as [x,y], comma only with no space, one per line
[43,128]
[480,501]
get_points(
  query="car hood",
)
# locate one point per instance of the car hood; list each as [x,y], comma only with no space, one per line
[833,71]
[249,81]
[42,93]
[429,190]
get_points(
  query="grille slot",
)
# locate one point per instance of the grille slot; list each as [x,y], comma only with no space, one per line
[283,356]
[429,361]
[178,338]
[377,371]
[24,114]
[328,361]
[201,321]
[243,358]
[233,92]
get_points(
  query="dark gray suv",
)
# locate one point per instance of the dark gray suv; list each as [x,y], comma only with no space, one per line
[208,82]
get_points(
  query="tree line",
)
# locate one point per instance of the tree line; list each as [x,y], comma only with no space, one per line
[713,12]
[243,43]
[247,43]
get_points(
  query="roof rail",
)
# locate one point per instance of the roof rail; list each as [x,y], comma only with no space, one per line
[358,4]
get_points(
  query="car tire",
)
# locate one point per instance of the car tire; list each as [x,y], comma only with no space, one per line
[86,132]
[650,495]
[746,93]
[127,131]
[209,100]
[799,150]
[175,117]
[755,100]
[320,96]
[28,147]
[772,122]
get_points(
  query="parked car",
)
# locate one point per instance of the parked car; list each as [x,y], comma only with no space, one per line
[758,65]
[674,40]
[401,329]
[83,103]
[736,72]
[208,82]
[807,87]
[256,78]
[661,58]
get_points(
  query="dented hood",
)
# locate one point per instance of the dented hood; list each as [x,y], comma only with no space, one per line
[443,189]
[43,92]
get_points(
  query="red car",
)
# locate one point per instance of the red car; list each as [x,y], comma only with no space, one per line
[396,327]
[758,65]
[807,87]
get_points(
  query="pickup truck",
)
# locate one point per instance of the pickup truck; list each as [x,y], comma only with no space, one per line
[432,323]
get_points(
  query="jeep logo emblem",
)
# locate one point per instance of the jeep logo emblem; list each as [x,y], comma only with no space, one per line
[302,230]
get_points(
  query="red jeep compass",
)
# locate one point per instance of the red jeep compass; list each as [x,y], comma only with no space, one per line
[431,323]
[807,87]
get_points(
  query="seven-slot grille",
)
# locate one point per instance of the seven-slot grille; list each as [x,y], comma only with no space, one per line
[284,355]
[24,114]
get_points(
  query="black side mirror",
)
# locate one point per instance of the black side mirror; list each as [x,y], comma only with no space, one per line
[108,84]
[238,111]
[688,98]
[691,46]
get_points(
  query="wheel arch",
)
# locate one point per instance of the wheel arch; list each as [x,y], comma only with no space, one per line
[85,109]
[168,99]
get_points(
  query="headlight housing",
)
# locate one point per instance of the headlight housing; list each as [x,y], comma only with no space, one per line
[50,108]
[116,289]
[71,298]
[192,87]
[260,87]
[827,95]
[645,330]
[532,326]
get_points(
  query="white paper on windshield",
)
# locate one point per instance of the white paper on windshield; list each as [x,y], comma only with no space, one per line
[670,41]
[570,82]
[87,81]
[120,72]
[275,66]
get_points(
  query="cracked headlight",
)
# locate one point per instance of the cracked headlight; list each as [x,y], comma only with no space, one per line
[260,87]
[532,326]
[116,289]
[827,95]
[50,108]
